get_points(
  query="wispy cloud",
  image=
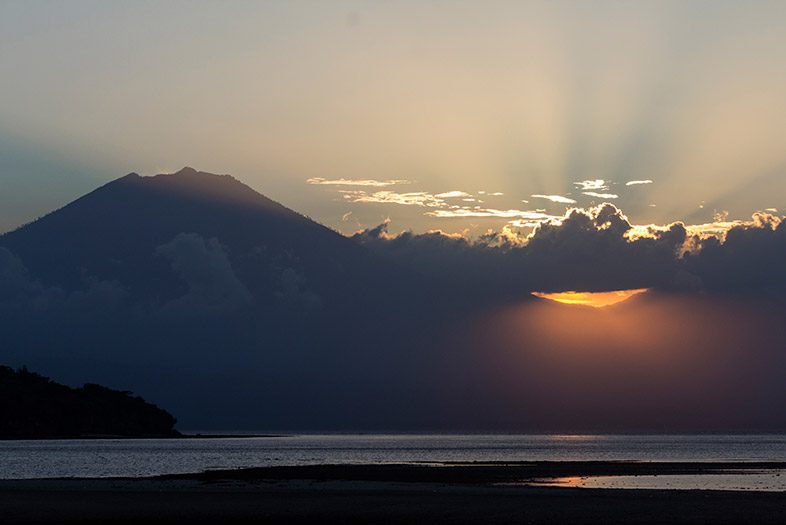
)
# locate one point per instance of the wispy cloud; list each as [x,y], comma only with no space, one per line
[712,229]
[356,182]
[490,212]
[716,229]
[601,195]
[529,223]
[452,194]
[637,182]
[416,198]
[587,185]
[555,198]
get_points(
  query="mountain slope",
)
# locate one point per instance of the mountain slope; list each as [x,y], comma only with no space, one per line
[236,313]
[113,233]
[163,285]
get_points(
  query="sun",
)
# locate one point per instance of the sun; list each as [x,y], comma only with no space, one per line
[594,299]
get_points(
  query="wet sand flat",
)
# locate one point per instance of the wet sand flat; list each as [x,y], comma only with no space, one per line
[452,493]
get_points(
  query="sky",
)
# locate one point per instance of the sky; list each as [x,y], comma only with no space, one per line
[459,116]
[479,152]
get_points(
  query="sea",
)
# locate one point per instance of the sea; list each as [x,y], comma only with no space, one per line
[31,459]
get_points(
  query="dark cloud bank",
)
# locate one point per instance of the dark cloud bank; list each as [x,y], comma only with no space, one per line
[234,312]
[598,249]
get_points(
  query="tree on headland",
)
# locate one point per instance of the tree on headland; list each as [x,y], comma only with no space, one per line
[34,406]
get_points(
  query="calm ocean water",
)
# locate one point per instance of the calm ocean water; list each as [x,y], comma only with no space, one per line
[108,457]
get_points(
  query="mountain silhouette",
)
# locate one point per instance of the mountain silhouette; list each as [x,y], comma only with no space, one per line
[112,233]
[165,284]
[237,313]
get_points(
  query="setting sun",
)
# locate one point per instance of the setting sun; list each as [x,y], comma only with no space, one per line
[594,299]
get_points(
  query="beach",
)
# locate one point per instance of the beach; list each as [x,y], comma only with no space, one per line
[397,493]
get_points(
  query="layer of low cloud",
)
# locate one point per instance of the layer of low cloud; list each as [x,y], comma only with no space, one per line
[598,249]
[204,266]
[21,294]
[748,258]
[637,182]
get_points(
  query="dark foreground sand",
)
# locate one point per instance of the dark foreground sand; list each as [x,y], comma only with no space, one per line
[458,493]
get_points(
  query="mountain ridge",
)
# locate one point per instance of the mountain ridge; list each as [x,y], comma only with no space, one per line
[235,312]
[133,213]
[163,284]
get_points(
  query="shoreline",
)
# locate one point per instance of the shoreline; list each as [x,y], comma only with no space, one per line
[474,472]
[139,438]
[390,493]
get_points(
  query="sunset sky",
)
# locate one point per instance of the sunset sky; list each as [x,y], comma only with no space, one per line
[494,169]
[437,115]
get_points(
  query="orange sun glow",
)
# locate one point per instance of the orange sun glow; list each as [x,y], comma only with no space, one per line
[594,299]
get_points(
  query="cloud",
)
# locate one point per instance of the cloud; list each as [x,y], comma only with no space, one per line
[637,182]
[15,283]
[712,229]
[594,249]
[585,249]
[449,259]
[601,195]
[526,223]
[490,212]
[453,194]
[587,185]
[417,198]
[98,296]
[590,250]
[20,292]
[293,291]
[204,266]
[356,182]
[747,259]
[555,198]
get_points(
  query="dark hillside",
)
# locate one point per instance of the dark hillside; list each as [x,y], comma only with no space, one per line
[33,406]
